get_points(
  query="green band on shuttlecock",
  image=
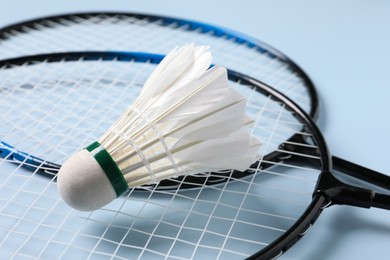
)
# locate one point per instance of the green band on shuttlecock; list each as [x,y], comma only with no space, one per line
[109,167]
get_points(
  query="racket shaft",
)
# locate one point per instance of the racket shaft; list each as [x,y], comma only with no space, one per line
[361,173]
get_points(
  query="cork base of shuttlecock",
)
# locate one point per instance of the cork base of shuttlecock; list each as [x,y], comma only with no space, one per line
[82,183]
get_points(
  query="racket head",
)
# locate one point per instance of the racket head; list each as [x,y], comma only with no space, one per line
[112,31]
[259,215]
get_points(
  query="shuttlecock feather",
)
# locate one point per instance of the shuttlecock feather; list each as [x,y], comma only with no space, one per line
[186,120]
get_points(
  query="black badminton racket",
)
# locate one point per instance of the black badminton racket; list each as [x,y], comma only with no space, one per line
[55,104]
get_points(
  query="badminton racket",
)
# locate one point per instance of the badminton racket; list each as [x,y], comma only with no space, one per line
[55,104]
[102,31]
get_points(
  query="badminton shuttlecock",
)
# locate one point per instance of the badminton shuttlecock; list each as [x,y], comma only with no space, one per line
[186,120]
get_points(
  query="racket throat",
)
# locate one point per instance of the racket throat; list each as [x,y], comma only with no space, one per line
[338,193]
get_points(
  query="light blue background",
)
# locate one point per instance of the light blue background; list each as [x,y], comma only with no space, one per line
[344,46]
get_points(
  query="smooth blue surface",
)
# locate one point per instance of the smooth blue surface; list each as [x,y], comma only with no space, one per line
[344,48]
